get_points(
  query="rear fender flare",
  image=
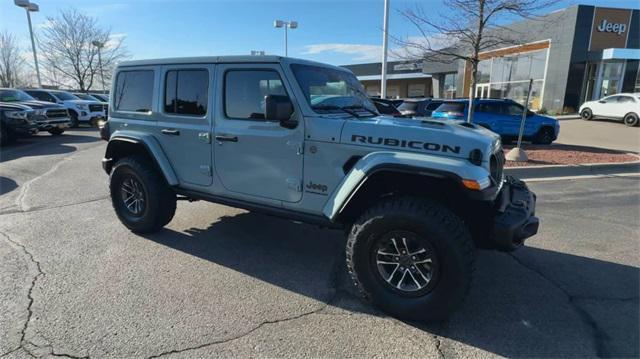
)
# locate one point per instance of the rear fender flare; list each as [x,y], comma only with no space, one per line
[153,148]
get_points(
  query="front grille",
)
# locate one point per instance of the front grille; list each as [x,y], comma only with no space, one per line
[95,108]
[496,165]
[106,109]
[57,113]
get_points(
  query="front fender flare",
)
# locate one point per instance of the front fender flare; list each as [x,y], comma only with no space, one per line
[153,149]
[455,169]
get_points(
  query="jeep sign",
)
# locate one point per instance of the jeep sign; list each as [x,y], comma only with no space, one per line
[611,27]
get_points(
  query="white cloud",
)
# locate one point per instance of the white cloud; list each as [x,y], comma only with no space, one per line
[362,52]
[115,39]
[373,53]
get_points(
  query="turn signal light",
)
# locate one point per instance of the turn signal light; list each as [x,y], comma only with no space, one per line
[471,184]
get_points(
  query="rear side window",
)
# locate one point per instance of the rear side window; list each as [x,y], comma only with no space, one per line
[134,91]
[186,92]
[451,107]
[42,96]
[244,92]
[489,107]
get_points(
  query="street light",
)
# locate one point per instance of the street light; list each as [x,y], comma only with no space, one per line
[31,7]
[286,25]
[100,45]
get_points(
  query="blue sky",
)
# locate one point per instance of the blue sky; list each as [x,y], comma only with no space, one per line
[337,32]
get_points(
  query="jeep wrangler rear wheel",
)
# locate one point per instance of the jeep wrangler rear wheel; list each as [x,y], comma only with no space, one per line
[142,200]
[411,257]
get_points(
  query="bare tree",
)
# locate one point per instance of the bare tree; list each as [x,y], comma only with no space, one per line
[67,49]
[11,61]
[469,27]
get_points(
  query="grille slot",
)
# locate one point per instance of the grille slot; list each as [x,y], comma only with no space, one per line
[57,113]
[496,165]
[95,108]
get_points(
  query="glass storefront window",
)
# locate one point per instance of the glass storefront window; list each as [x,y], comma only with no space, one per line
[508,76]
[611,78]
[450,81]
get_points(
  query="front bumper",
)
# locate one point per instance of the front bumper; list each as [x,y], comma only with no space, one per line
[515,219]
[46,125]
[86,116]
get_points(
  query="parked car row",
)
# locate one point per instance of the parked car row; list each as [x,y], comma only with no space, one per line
[500,116]
[26,112]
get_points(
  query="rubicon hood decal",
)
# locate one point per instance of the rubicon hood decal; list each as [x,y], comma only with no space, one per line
[412,144]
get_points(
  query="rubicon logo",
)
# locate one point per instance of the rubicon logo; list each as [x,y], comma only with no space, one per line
[606,26]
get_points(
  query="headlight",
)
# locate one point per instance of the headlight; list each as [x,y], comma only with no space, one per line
[82,106]
[16,115]
[40,112]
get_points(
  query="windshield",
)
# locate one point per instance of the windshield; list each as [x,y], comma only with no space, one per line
[408,106]
[64,96]
[83,96]
[14,96]
[328,89]
[451,107]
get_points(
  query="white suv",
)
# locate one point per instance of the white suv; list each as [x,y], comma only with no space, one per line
[623,106]
[80,111]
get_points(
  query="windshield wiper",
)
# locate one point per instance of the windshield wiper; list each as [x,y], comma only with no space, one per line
[333,107]
[361,107]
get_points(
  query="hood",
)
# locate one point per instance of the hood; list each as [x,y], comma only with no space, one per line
[35,104]
[13,106]
[83,102]
[446,138]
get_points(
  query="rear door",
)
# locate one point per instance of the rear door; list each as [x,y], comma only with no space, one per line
[623,106]
[185,120]
[490,114]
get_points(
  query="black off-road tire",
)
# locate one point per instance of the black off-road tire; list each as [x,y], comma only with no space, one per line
[56,131]
[160,200]
[544,136]
[586,114]
[433,222]
[631,119]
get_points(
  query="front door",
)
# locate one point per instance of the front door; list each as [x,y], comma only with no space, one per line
[254,156]
[184,122]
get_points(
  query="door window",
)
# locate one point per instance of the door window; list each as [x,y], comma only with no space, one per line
[42,96]
[512,109]
[489,107]
[625,99]
[186,92]
[245,91]
[134,91]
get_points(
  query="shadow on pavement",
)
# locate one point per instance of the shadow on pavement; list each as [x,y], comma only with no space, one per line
[42,145]
[514,309]
[7,185]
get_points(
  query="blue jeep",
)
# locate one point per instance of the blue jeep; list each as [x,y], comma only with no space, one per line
[502,117]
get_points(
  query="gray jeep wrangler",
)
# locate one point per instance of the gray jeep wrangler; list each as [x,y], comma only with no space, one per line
[301,140]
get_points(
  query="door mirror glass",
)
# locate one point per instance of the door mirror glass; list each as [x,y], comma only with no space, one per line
[279,108]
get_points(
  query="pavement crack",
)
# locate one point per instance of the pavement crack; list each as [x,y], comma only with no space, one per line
[599,336]
[438,347]
[334,290]
[34,279]
[38,209]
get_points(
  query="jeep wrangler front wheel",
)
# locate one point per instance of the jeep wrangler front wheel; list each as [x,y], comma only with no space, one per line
[411,257]
[142,200]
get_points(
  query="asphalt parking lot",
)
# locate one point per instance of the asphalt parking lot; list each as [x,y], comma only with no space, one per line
[227,283]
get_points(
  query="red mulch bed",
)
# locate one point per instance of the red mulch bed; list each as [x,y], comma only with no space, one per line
[557,154]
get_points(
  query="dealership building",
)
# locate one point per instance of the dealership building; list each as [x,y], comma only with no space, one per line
[573,55]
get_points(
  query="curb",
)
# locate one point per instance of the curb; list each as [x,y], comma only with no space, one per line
[549,171]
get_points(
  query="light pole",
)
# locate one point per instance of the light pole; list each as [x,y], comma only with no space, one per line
[100,45]
[385,39]
[31,7]
[286,25]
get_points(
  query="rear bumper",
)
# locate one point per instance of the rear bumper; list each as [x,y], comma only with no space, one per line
[515,219]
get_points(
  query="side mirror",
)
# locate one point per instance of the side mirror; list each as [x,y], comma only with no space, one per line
[602,101]
[279,108]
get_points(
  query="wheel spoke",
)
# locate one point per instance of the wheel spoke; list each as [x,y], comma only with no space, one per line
[418,286]
[381,252]
[384,262]
[428,260]
[420,251]
[401,279]
[395,245]
[422,275]
[392,273]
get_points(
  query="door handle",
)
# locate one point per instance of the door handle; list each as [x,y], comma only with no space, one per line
[226,138]
[168,131]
